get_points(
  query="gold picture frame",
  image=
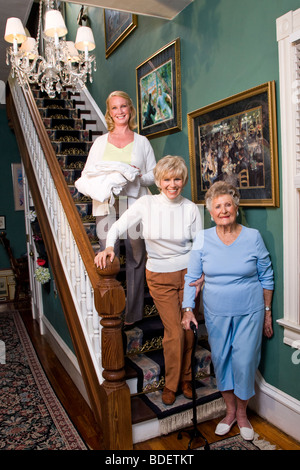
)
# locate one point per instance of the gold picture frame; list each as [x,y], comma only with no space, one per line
[117,26]
[158,81]
[235,139]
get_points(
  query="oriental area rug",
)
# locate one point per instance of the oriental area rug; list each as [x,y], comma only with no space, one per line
[31,416]
[238,443]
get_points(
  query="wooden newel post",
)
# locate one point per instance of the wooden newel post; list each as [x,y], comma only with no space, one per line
[116,411]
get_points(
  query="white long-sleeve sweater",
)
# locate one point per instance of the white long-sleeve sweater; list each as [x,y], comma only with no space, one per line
[168,227]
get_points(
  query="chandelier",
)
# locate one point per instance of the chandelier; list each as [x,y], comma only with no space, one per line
[63,63]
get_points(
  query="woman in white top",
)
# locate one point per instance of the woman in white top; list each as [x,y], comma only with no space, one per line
[123,145]
[169,223]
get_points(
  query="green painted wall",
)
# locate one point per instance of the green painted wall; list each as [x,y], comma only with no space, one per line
[15,224]
[227,46]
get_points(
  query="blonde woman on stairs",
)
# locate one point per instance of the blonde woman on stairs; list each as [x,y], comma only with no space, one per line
[123,145]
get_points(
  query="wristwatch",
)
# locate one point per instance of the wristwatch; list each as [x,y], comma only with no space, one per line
[267,309]
[188,309]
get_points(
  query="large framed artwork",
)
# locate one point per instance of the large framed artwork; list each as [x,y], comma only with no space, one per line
[159,92]
[117,26]
[235,140]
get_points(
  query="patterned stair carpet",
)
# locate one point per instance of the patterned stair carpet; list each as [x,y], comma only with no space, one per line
[31,416]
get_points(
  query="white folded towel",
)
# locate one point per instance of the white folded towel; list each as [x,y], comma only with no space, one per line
[107,179]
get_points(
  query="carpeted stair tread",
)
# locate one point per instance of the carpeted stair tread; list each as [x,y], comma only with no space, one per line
[53,123]
[206,392]
[149,367]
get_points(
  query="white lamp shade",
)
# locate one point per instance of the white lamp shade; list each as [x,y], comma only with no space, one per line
[72,51]
[85,39]
[54,23]
[14,31]
[29,47]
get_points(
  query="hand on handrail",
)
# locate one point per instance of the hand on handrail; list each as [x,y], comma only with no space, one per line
[100,259]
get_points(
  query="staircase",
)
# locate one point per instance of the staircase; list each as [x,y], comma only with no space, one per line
[72,129]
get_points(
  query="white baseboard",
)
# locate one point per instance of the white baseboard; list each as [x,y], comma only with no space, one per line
[277,407]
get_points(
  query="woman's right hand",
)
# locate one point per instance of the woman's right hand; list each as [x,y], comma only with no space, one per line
[100,258]
[198,284]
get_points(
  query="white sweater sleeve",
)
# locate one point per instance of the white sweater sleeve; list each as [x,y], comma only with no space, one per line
[147,179]
[131,217]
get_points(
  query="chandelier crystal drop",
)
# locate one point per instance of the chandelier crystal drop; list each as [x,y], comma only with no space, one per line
[62,64]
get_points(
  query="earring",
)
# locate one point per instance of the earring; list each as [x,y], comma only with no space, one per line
[237,214]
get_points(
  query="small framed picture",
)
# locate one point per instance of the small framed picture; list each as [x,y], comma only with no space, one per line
[2,222]
[117,26]
[159,92]
[17,178]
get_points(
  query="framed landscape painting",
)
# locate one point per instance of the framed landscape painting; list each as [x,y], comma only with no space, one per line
[159,92]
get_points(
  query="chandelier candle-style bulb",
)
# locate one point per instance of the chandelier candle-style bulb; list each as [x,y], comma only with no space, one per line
[14,32]
[54,24]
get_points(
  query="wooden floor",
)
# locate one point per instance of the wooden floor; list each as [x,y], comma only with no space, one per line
[82,417]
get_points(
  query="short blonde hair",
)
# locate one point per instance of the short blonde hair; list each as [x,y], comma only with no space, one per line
[109,121]
[219,189]
[170,165]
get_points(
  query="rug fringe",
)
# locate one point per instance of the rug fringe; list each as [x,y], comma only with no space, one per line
[262,444]
[207,411]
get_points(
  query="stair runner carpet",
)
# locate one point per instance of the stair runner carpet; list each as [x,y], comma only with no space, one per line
[71,133]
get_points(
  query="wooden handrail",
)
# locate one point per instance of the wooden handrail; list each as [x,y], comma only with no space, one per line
[111,400]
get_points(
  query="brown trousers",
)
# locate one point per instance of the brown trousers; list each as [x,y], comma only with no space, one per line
[166,290]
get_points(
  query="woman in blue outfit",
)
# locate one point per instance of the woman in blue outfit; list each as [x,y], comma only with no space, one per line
[237,299]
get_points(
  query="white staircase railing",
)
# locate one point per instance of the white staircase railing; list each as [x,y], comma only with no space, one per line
[74,270]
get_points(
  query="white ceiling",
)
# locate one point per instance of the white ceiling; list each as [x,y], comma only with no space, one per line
[166,9]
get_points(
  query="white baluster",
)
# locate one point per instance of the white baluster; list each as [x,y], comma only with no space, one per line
[83,291]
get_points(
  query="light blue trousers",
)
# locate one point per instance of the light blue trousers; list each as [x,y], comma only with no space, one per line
[235,343]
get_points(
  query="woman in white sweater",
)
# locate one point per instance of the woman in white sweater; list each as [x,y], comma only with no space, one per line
[127,149]
[168,223]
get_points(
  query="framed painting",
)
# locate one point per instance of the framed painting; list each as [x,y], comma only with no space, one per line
[2,222]
[235,140]
[159,92]
[17,179]
[117,26]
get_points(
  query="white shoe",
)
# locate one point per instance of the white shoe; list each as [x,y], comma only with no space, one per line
[223,428]
[247,433]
